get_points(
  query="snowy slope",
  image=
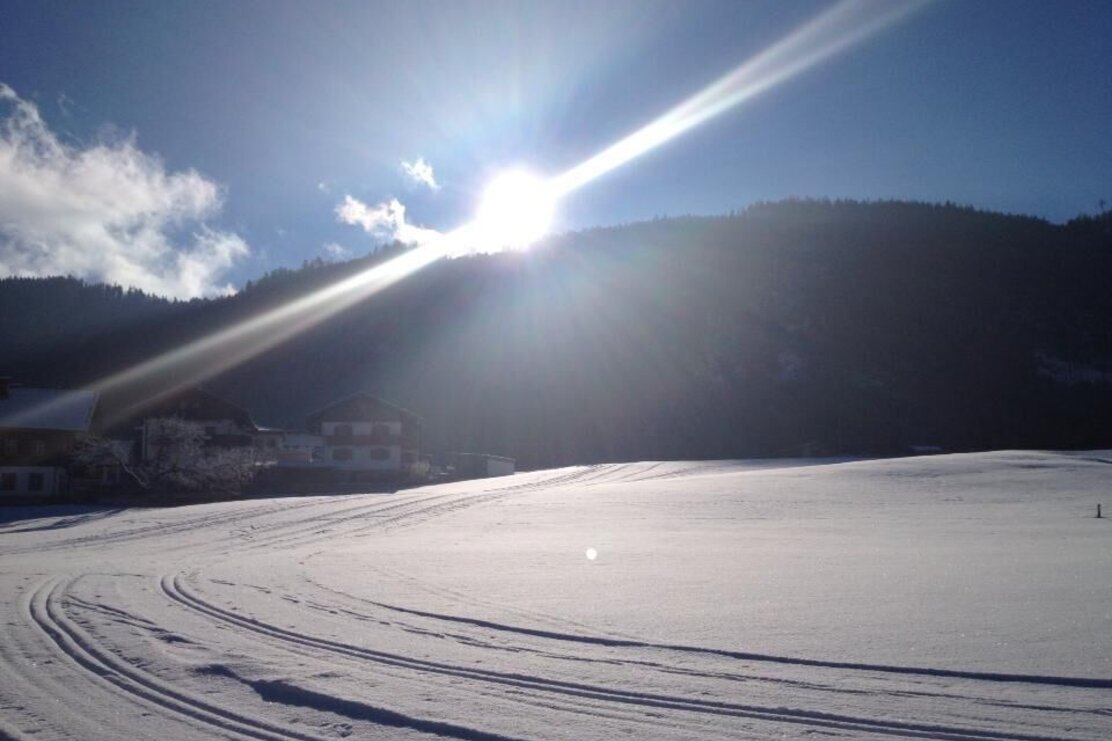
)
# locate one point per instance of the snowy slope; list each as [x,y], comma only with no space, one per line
[957,597]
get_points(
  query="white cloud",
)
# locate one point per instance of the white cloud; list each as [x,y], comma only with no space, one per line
[384,221]
[336,251]
[420,172]
[108,212]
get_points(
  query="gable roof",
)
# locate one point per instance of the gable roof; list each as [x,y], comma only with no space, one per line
[47,409]
[191,403]
[360,407]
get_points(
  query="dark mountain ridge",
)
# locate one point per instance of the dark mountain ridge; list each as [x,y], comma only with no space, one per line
[799,327]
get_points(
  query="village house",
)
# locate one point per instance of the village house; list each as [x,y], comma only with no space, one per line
[358,440]
[225,424]
[365,437]
[38,431]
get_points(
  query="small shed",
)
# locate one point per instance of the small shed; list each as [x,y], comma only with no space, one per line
[478,465]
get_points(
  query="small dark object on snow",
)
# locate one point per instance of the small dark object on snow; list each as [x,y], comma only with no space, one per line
[1099,515]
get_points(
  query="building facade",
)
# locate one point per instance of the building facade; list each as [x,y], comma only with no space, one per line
[38,431]
[365,433]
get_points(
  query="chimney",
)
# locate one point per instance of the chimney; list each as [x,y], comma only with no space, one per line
[5,385]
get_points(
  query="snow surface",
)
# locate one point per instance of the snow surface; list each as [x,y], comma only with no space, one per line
[954,597]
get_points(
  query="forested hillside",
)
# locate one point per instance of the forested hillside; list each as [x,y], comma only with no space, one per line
[800,327]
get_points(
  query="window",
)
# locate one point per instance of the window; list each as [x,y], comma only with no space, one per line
[8,482]
[379,454]
[38,448]
[341,454]
[381,430]
[35,482]
[342,430]
[11,446]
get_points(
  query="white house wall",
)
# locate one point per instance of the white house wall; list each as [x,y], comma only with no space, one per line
[361,458]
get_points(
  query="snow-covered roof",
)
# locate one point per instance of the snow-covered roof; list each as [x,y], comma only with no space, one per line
[47,409]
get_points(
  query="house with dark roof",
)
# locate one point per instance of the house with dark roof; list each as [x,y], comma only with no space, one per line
[363,435]
[226,425]
[38,430]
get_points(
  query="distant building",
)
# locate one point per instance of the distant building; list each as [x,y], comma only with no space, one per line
[38,430]
[364,434]
[477,465]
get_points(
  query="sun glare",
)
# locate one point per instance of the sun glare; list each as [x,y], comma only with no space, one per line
[518,207]
[516,210]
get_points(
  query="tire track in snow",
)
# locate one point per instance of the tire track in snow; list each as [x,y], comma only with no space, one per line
[44,610]
[173,589]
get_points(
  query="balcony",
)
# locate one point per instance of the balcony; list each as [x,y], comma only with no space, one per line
[374,438]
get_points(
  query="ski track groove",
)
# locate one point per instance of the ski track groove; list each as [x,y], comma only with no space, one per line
[44,611]
[413,512]
[1082,682]
[171,586]
[650,665]
[397,515]
[285,534]
[47,604]
[461,597]
[161,529]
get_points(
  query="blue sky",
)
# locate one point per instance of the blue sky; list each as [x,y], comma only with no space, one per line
[287,108]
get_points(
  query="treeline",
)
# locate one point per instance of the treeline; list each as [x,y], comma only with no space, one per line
[799,327]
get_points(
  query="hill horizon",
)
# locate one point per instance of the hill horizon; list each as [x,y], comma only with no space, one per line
[796,327]
[379,251]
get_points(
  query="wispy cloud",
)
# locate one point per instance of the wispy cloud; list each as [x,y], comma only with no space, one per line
[106,212]
[384,221]
[420,172]
[336,251]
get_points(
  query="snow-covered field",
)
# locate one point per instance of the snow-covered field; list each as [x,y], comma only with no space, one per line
[954,597]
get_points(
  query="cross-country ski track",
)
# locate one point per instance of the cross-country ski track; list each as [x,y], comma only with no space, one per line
[964,597]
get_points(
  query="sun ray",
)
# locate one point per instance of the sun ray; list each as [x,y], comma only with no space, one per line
[842,26]
[518,210]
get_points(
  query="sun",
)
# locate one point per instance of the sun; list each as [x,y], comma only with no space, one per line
[516,210]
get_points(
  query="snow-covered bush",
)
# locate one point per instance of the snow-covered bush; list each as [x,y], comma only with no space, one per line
[173,457]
